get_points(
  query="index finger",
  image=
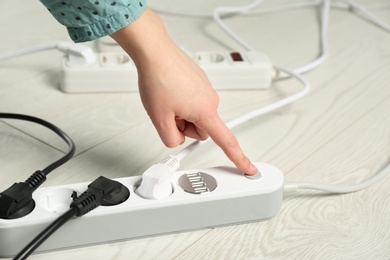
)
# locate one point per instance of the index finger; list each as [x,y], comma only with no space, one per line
[225,139]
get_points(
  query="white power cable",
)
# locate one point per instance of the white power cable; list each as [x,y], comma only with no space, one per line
[78,54]
[231,10]
[272,107]
[292,187]
[324,50]
[250,12]
[261,111]
[323,32]
[290,6]
[368,15]
[219,12]
[22,52]
[247,9]
[322,57]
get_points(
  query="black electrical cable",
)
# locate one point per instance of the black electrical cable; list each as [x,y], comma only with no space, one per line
[17,201]
[98,191]
[46,233]
[58,131]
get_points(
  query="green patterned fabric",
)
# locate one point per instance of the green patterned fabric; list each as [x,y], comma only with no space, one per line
[88,20]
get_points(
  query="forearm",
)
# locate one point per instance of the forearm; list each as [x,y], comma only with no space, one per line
[145,40]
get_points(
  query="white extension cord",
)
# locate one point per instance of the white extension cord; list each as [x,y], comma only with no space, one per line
[116,72]
[198,199]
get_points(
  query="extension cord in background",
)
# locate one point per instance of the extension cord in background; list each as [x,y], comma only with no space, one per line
[202,198]
[116,72]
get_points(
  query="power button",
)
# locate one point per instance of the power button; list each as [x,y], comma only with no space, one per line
[256,176]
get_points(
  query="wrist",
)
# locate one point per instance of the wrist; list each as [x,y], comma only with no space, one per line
[145,39]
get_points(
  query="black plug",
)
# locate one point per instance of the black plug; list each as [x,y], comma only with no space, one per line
[17,201]
[101,191]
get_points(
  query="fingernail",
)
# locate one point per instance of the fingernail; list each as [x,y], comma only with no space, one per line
[253,168]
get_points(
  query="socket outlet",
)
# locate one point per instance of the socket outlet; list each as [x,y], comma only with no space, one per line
[113,72]
[201,198]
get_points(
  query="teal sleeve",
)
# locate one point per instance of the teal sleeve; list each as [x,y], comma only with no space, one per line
[88,20]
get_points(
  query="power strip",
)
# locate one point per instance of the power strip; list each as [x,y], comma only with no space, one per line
[116,72]
[201,198]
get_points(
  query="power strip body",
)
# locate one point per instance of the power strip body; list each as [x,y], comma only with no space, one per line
[116,72]
[235,199]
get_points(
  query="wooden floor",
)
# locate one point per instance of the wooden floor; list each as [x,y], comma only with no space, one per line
[338,134]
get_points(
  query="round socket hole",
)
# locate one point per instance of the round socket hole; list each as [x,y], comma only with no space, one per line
[58,200]
[112,59]
[217,57]
[209,58]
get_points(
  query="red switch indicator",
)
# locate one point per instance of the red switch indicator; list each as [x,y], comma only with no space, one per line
[236,56]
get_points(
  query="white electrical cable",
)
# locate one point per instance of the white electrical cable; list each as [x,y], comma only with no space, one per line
[368,15]
[22,52]
[258,112]
[272,107]
[333,4]
[247,9]
[286,7]
[77,53]
[324,53]
[323,32]
[292,187]
[250,12]
[378,6]
[219,12]
[232,10]
[337,5]
[324,50]
[227,10]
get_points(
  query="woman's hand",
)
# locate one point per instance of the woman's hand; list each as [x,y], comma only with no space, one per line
[175,91]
